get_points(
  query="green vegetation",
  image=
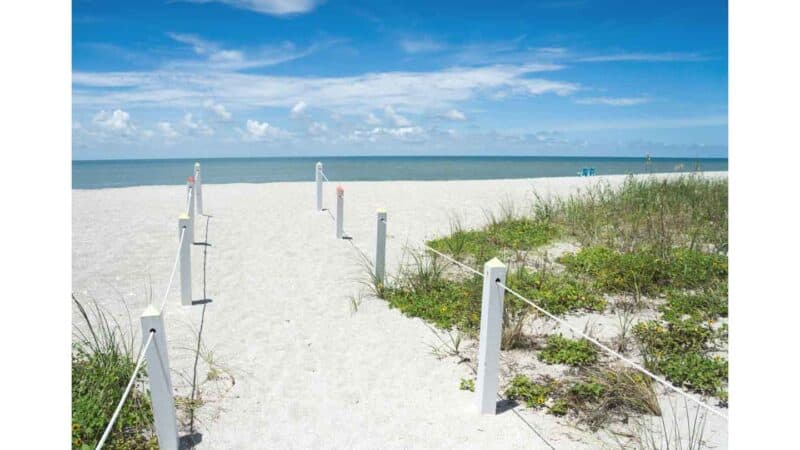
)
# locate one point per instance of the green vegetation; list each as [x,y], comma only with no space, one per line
[467,384]
[102,364]
[422,289]
[560,350]
[658,245]
[534,394]
[689,212]
[645,271]
[595,398]
[708,304]
[680,350]
[557,293]
[606,394]
[507,233]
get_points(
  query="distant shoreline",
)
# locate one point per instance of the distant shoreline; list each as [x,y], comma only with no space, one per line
[127,173]
[322,157]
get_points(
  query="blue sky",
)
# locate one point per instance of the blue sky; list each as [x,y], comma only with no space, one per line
[201,78]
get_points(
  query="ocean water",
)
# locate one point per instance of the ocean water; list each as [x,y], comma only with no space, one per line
[142,172]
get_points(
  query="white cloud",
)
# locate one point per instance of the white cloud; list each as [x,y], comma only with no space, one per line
[372,119]
[397,119]
[406,134]
[198,44]
[454,114]
[643,124]
[298,109]
[421,45]
[270,7]
[262,131]
[166,130]
[612,101]
[117,121]
[196,127]
[317,129]
[414,92]
[216,57]
[218,109]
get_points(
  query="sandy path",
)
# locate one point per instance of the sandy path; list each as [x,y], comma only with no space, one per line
[309,372]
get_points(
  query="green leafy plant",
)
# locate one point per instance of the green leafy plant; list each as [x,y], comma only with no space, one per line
[556,293]
[559,407]
[498,235]
[703,305]
[560,350]
[586,391]
[534,394]
[700,373]
[467,384]
[646,271]
[679,350]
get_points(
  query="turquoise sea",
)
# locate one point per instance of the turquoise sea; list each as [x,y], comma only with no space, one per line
[142,172]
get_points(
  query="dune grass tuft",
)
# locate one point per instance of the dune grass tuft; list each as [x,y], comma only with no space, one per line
[103,360]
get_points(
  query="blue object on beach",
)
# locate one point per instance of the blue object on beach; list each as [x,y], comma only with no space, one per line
[587,172]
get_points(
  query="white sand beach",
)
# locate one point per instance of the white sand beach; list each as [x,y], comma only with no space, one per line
[309,371]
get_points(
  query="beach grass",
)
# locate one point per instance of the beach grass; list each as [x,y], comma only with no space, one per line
[651,244]
[102,364]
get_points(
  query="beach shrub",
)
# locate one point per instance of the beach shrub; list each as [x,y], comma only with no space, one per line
[534,394]
[644,271]
[508,233]
[560,350]
[446,303]
[422,289]
[680,351]
[467,384]
[586,391]
[703,305]
[102,364]
[697,372]
[657,338]
[596,397]
[556,293]
[612,392]
[560,407]
[687,211]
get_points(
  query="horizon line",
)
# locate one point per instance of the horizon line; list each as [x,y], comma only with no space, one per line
[399,156]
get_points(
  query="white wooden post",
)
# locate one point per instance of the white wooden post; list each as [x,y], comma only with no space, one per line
[318,179]
[198,185]
[339,212]
[190,193]
[160,381]
[380,246]
[490,335]
[186,260]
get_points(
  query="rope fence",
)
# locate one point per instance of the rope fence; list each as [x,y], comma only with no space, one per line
[154,347]
[589,338]
[491,313]
[378,265]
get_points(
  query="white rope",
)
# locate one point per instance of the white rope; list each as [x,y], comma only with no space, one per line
[139,362]
[589,338]
[323,175]
[454,261]
[612,352]
[174,269]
